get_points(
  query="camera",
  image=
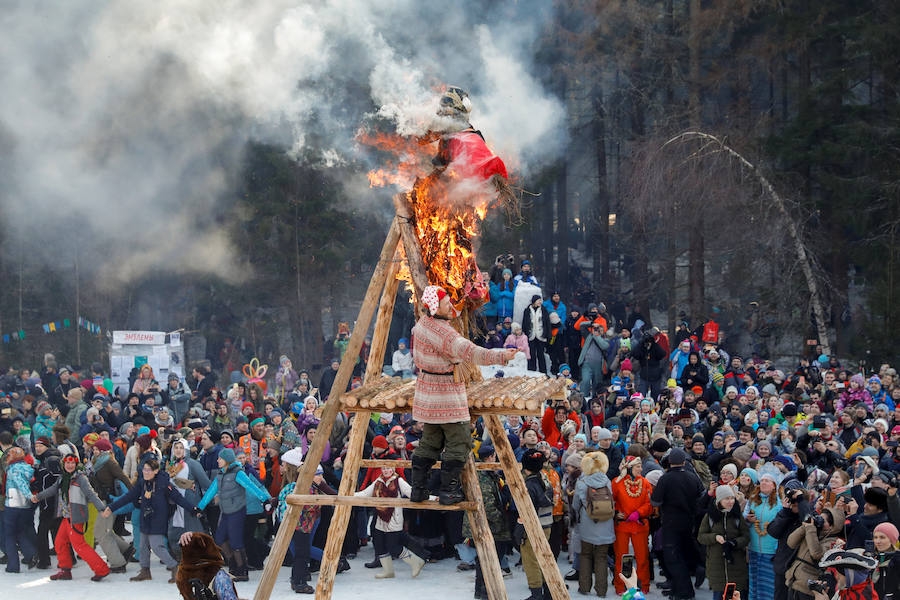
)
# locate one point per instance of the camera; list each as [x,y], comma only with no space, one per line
[794,496]
[817,520]
[815,585]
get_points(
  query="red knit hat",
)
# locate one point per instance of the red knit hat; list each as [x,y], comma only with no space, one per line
[246,404]
[380,442]
[103,445]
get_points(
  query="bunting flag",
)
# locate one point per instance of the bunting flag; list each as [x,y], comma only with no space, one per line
[55,327]
[52,327]
[66,323]
[5,338]
[46,328]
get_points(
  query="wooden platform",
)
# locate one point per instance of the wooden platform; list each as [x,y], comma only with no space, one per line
[499,396]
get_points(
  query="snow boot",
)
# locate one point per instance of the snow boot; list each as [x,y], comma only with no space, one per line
[480,587]
[374,564]
[536,594]
[421,471]
[143,575]
[240,566]
[451,492]
[414,562]
[62,575]
[387,568]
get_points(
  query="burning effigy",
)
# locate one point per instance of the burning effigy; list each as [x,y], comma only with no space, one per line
[450,178]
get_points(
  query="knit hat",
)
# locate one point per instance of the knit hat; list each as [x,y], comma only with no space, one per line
[730,389]
[744,452]
[654,476]
[103,445]
[246,404]
[294,456]
[751,473]
[677,457]
[724,491]
[227,454]
[45,441]
[787,462]
[380,442]
[671,383]
[626,365]
[605,434]
[889,530]
[581,436]
[574,460]
[143,430]
[717,378]
[770,389]
[431,297]
[90,439]
[876,497]
[535,297]
[485,450]
[731,468]
[42,405]
[533,460]
[789,410]
[631,461]
[660,445]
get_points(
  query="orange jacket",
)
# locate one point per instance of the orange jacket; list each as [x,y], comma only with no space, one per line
[551,430]
[627,504]
[245,443]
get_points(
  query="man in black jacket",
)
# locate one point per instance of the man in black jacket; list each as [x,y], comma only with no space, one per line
[652,358]
[677,494]
[794,508]
[536,327]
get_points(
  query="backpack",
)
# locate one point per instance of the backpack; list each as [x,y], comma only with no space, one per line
[600,505]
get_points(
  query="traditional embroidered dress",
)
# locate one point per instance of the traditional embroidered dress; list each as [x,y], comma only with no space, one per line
[632,499]
[437,347]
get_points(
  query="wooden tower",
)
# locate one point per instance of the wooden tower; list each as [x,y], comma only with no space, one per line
[506,396]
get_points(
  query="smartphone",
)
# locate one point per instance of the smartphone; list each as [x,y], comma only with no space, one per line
[870,547]
[627,565]
[728,594]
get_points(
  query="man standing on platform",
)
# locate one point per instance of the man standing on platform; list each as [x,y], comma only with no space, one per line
[440,402]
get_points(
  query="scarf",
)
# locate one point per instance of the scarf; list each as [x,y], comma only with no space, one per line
[386,489]
[65,481]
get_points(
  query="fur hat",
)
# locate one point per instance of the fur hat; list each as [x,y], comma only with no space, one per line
[876,497]
[574,460]
[853,558]
[533,460]
[744,452]
[594,462]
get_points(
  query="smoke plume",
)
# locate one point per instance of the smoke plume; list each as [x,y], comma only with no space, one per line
[130,118]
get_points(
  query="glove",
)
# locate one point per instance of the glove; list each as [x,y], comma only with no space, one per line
[519,534]
[634,517]
[728,551]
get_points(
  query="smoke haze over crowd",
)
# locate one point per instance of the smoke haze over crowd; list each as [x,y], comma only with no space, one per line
[134,116]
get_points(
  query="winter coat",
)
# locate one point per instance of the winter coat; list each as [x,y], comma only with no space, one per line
[720,568]
[628,504]
[560,310]
[886,576]
[285,380]
[651,357]
[519,342]
[861,526]
[677,362]
[506,296]
[676,493]
[436,348]
[599,343]
[589,531]
[765,514]
[527,322]
[18,484]
[73,420]
[80,493]
[396,521]
[848,398]
[810,545]
[43,427]
[45,475]
[154,510]
[694,375]
[495,501]
[489,308]
[402,361]
[106,472]
[785,522]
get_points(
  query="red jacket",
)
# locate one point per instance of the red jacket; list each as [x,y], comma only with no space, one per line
[551,430]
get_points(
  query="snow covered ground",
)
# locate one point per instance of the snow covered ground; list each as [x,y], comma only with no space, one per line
[438,580]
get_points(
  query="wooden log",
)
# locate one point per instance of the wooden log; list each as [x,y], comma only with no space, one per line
[401,402]
[383,324]
[389,404]
[515,390]
[417,271]
[533,406]
[552,577]
[348,401]
[351,501]
[482,536]
[368,463]
[332,407]
[364,403]
[341,517]
[519,403]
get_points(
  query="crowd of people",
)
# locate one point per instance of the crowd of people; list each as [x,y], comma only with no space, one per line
[694,464]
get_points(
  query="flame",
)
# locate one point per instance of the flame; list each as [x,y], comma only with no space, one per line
[447,210]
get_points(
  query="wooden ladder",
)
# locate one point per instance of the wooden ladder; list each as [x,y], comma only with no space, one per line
[384,285]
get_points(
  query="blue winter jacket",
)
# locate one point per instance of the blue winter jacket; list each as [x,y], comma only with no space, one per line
[489,308]
[155,510]
[505,301]
[559,309]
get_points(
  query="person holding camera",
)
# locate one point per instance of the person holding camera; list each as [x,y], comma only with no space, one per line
[816,535]
[794,506]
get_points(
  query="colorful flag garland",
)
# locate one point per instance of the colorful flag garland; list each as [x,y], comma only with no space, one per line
[54,327]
